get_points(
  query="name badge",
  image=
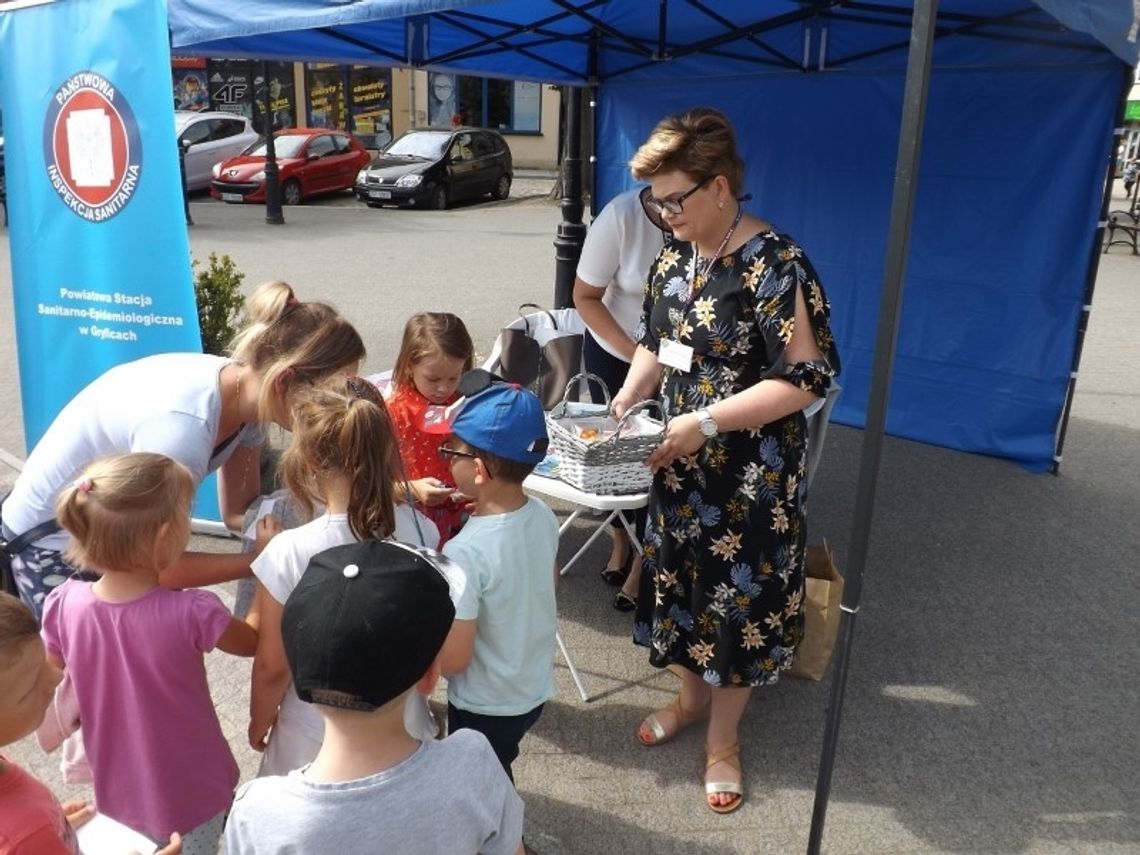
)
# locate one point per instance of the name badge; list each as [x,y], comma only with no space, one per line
[675,355]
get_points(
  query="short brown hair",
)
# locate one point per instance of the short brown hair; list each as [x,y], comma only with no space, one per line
[17,627]
[699,142]
[427,333]
[512,471]
[115,511]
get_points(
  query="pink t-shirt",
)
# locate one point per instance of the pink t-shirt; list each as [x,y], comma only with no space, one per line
[31,819]
[153,740]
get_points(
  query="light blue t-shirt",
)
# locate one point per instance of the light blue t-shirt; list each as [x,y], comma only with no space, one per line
[507,588]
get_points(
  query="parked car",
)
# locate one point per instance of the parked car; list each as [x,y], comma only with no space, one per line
[433,167]
[310,161]
[210,138]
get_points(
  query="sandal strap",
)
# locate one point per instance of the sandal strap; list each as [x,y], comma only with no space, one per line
[714,788]
[683,718]
[730,755]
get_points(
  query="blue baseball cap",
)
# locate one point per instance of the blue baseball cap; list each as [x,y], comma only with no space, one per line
[505,420]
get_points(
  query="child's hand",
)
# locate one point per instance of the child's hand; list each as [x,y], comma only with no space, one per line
[431,492]
[174,848]
[267,528]
[77,812]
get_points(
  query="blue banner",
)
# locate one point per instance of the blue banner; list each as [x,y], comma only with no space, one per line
[97,232]
[100,256]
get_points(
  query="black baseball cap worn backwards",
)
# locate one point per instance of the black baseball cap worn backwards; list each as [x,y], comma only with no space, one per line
[365,623]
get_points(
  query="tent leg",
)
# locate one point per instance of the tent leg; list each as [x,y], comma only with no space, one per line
[1094,267]
[571,231]
[898,239]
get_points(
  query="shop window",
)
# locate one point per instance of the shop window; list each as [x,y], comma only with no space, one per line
[513,106]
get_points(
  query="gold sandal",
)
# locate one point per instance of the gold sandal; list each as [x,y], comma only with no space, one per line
[683,716]
[731,756]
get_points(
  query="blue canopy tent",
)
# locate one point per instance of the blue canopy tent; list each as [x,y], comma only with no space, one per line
[1006,218]
[1013,102]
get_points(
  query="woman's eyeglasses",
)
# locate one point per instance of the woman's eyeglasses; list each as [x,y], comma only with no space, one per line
[675,206]
[448,453]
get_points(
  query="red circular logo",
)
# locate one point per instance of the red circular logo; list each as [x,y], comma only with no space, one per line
[107,136]
[92,148]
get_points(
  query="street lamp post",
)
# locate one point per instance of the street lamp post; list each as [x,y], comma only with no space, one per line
[571,231]
[183,145]
[273,213]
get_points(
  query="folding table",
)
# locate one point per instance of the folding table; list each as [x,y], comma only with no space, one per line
[551,488]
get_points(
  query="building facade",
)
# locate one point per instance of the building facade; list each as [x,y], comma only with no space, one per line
[376,103]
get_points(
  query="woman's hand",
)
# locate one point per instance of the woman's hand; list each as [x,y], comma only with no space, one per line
[258,734]
[431,492]
[682,437]
[623,400]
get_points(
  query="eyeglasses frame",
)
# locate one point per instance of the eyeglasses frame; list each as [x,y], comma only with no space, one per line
[667,205]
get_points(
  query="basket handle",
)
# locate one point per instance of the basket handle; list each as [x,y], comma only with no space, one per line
[578,378]
[526,323]
[634,410]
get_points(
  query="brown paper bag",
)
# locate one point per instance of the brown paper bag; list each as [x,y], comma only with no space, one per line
[823,592]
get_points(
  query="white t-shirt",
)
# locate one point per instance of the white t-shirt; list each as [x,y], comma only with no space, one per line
[282,563]
[507,588]
[619,250]
[451,795]
[168,404]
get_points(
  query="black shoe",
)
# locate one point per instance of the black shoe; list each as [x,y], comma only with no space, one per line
[623,602]
[615,575]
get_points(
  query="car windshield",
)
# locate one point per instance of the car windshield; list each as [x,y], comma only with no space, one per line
[287,145]
[429,145]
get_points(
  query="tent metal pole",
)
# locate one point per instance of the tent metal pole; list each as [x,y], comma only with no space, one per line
[898,240]
[1094,266]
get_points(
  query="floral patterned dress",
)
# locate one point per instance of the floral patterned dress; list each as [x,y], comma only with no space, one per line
[722,591]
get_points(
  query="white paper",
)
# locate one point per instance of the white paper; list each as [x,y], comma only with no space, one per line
[89,148]
[267,507]
[102,835]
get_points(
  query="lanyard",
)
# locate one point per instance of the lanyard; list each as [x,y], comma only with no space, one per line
[690,292]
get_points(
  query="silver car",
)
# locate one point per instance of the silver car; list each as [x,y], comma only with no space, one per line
[210,138]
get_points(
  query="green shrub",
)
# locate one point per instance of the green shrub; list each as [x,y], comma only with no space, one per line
[217,290]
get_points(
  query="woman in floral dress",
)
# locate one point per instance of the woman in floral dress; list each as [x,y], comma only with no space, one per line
[735,336]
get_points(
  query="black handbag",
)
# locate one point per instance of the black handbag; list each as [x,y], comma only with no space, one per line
[542,353]
[9,549]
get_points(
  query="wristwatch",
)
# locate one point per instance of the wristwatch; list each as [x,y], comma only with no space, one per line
[707,424]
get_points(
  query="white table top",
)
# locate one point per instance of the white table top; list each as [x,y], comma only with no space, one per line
[552,488]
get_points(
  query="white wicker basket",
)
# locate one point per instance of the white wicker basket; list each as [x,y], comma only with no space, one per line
[611,466]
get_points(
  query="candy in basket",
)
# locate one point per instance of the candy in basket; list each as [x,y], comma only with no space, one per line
[600,454]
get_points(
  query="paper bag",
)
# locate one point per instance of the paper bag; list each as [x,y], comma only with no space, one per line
[823,592]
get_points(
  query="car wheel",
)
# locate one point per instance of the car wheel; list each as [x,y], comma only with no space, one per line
[291,192]
[439,197]
[502,187]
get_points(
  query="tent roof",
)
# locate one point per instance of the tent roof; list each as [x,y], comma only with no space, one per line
[584,41]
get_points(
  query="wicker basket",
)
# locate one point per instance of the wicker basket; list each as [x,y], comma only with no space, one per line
[611,466]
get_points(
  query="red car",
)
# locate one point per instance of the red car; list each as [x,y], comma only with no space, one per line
[310,161]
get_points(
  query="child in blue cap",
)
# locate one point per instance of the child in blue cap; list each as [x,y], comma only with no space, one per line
[499,655]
